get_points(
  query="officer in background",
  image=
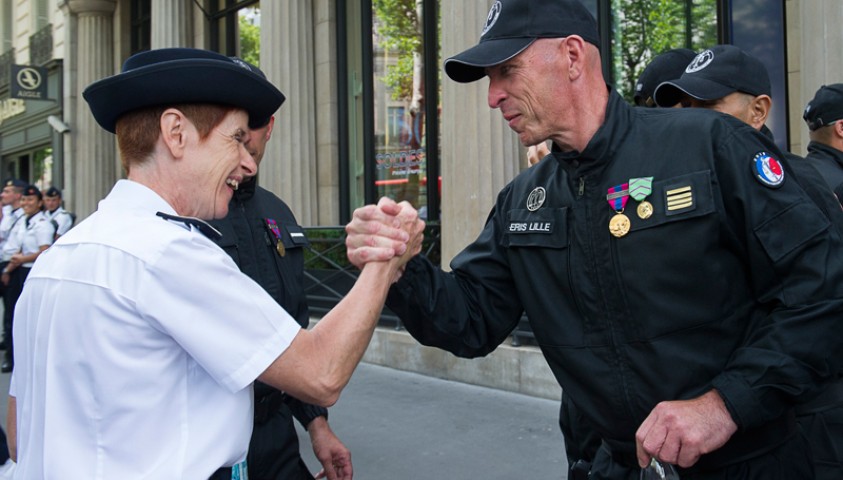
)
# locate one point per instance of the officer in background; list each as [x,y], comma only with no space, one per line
[55,212]
[32,234]
[261,235]
[664,66]
[735,72]
[10,198]
[825,151]
[656,256]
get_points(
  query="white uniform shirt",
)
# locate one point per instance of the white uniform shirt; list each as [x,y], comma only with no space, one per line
[28,237]
[62,218]
[10,217]
[134,358]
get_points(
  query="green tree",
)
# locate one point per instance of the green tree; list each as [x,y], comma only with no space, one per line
[250,37]
[643,29]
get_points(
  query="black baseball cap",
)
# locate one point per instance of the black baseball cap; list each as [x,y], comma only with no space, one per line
[169,76]
[664,66]
[15,182]
[715,73]
[825,107]
[32,190]
[513,25]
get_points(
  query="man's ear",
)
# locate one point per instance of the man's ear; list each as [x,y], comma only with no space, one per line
[173,126]
[575,46]
[838,129]
[760,110]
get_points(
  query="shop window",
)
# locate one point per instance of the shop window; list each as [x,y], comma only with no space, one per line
[641,29]
[235,28]
[389,103]
[140,29]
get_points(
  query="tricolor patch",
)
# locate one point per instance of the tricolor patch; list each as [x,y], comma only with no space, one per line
[768,170]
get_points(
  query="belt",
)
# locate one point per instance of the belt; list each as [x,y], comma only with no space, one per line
[830,397]
[742,446]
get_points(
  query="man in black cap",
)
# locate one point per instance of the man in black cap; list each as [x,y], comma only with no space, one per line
[261,235]
[819,415]
[55,212]
[133,360]
[683,287]
[665,66]
[825,151]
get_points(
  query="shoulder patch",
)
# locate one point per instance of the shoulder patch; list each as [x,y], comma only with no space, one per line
[767,170]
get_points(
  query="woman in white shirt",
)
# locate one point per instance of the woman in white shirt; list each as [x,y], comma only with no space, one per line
[30,236]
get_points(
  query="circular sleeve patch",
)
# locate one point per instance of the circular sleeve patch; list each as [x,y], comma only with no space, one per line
[767,170]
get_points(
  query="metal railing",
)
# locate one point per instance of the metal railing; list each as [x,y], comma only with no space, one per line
[41,46]
[329,276]
[7,59]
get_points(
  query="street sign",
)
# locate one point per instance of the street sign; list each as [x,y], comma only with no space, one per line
[28,83]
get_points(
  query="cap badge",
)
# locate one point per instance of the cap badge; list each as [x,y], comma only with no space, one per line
[767,170]
[536,199]
[494,13]
[700,61]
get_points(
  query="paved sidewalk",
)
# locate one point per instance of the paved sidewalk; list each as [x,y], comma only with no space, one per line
[400,425]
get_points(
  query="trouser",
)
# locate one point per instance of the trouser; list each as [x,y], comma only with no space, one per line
[790,460]
[273,451]
[823,427]
[10,298]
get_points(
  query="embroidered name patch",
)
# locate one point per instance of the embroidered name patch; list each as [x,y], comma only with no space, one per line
[530,227]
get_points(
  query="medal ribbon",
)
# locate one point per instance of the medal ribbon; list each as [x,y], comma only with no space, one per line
[640,188]
[273,227]
[617,196]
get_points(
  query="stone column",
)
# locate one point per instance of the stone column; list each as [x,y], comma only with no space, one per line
[327,134]
[172,23]
[289,167]
[95,163]
[814,40]
[480,154]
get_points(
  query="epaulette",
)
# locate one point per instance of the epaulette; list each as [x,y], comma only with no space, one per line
[200,224]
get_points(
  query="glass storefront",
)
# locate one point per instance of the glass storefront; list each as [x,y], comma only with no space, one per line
[391,100]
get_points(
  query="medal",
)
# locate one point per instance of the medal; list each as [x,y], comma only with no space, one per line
[276,232]
[639,189]
[617,196]
[619,225]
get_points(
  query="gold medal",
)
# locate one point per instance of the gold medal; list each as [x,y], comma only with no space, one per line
[645,210]
[280,247]
[619,225]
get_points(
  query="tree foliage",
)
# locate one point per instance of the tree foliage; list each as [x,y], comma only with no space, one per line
[250,40]
[398,29]
[645,28]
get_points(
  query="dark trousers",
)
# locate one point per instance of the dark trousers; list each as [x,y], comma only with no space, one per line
[11,294]
[824,430]
[791,460]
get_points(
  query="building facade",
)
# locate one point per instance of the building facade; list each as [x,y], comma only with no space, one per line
[368,111]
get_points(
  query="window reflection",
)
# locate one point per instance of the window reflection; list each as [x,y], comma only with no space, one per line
[644,28]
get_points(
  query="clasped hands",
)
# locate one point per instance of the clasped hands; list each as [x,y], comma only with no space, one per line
[382,232]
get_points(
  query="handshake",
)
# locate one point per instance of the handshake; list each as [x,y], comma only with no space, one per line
[387,231]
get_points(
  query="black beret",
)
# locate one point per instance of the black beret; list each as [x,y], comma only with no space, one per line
[170,76]
[53,192]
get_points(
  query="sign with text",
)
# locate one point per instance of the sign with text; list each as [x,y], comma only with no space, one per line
[28,83]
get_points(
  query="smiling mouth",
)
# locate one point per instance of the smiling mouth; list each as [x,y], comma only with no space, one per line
[233,183]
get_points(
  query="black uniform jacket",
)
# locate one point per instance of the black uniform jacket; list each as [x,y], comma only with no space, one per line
[829,161]
[732,283]
[249,240]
